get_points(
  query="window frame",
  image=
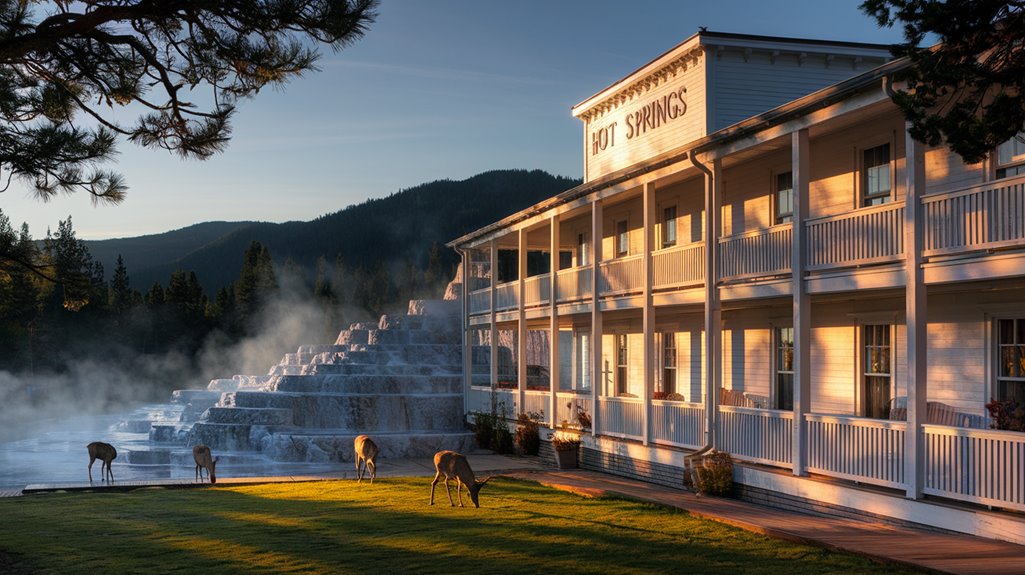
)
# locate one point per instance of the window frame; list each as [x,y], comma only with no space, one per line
[865,364]
[622,348]
[665,241]
[862,196]
[1016,162]
[777,216]
[778,400]
[583,249]
[667,382]
[621,242]
[1018,349]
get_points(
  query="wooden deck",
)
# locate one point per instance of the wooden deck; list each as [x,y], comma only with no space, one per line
[939,552]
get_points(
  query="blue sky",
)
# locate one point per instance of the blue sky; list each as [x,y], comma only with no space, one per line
[439,89]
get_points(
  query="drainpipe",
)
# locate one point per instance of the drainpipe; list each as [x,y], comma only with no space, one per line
[711,299]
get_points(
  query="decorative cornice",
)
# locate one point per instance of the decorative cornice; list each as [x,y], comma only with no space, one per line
[642,86]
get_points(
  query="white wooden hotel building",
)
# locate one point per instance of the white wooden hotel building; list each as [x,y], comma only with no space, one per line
[755,221]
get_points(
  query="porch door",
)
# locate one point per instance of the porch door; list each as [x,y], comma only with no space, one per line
[878,374]
[784,368]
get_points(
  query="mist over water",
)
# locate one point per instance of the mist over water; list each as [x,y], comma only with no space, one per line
[46,420]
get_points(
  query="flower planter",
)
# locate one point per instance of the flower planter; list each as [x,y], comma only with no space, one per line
[566,459]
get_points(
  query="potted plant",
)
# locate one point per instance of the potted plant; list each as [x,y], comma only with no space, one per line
[566,448]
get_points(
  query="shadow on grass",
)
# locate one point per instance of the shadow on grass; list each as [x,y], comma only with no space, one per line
[337,527]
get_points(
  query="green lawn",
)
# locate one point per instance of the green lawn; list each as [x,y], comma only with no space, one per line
[385,529]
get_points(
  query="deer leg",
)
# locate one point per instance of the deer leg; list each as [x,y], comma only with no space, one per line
[373,470]
[91,461]
[433,483]
[361,469]
[449,493]
[110,471]
[459,493]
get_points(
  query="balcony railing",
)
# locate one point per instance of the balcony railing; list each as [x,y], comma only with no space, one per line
[759,435]
[679,266]
[574,284]
[507,295]
[986,216]
[537,401]
[480,301]
[622,275]
[568,404]
[978,465]
[537,290]
[677,423]
[620,417]
[864,236]
[756,253]
[858,449]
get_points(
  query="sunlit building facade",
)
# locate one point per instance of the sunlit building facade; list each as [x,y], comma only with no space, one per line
[761,260]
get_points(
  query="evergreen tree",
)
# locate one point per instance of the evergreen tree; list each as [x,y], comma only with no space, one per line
[120,289]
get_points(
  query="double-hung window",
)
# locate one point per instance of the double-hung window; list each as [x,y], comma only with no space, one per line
[622,239]
[668,226]
[1011,359]
[668,383]
[622,365]
[1011,157]
[583,250]
[878,371]
[875,176]
[784,368]
[784,198]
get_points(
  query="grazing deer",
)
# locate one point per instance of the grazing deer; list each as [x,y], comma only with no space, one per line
[201,454]
[452,465]
[366,453]
[106,453]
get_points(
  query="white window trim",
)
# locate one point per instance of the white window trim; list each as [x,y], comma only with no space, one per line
[774,189]
[859,167]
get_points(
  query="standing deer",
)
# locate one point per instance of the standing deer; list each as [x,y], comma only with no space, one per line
[366,453]
[106,453]
[453,465]
[201,454]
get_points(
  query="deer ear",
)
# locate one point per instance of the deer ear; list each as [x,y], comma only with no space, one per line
[216,459]
[486,479]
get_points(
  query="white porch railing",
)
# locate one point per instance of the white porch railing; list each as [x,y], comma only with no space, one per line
[759,435]
[989,215]
[574,284]
[620,417]
[863,236]
[978,465]
[622,275]
[756,253]
[537,289]
[677,423]
[480,301]
[856,448]
[507,295]
[536,401]
[567,404]
[478,399]
[679,266]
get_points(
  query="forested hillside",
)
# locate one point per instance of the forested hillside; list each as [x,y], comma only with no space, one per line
[393,233]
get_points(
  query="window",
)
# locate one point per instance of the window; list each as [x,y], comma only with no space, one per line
[784,198]
[784,368]
[876,340]
[875,176]
[622,387]
[669,226]
[583,250]
[582,370]
[1011,157]
[622,239]
[1011,357]
[668,384]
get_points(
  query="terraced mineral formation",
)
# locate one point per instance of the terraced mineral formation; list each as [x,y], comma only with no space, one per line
[398,380]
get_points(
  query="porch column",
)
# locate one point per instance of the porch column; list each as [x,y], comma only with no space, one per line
[494,319]
[916,311]
[713,306]
[800,153]
[597,377]
[648,317]
[553,300]
[466,259]
[521,323]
